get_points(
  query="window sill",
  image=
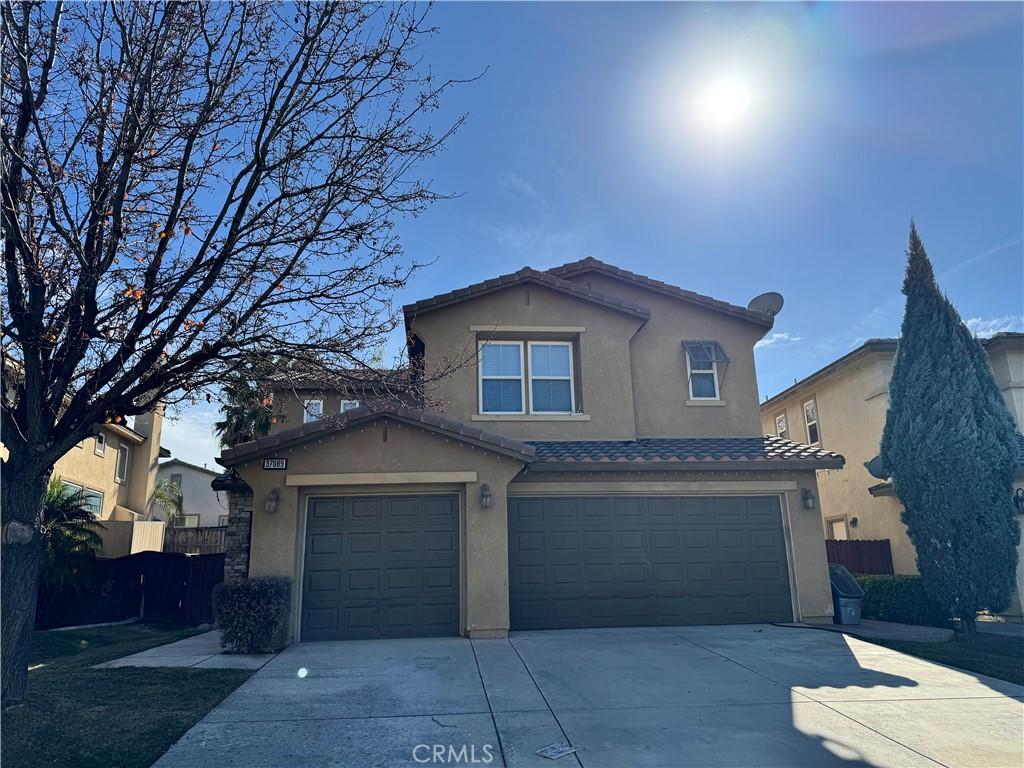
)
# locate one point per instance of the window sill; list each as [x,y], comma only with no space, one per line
[712,403]
[530,417]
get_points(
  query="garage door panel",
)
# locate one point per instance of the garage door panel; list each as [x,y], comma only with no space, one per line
[647,560]
[382,566]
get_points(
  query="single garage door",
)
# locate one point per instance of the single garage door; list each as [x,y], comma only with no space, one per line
[646,561]
[381,566]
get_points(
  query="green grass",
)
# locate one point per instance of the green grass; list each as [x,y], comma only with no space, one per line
[101,718]
[993,655]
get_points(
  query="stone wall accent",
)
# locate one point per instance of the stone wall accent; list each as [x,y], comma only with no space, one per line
[238,536]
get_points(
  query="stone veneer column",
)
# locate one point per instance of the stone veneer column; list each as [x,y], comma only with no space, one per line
[238,536]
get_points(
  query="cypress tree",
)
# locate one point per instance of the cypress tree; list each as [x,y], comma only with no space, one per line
[949,446]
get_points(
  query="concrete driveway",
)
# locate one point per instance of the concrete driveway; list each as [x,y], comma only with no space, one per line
[751,695]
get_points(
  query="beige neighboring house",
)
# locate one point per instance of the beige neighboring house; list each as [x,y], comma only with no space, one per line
[116,472]
[198,505]
[842,408]
[597,461]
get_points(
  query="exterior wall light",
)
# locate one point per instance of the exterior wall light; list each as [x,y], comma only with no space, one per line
[809,499]
[485,496]
[270,504]
[1018,500]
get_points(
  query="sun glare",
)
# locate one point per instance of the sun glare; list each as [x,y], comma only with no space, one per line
[724,104]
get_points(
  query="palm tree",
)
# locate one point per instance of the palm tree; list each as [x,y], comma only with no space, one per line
[167,497]
[247,412]
[70,541]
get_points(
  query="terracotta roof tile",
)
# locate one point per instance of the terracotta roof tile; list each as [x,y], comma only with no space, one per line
[766,450]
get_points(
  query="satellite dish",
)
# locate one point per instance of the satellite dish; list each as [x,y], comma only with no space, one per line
[767,303]
[874,467]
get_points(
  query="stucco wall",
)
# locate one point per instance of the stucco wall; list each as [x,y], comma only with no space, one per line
[198,498]
[602,364]
[389,446]
[659,372]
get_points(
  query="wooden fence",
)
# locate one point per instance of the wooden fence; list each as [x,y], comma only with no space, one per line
[154,586]
[861,555]
[195,541]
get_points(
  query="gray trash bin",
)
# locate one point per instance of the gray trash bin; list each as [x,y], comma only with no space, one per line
[847,595]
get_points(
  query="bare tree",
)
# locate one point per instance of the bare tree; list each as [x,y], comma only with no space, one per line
[188,188]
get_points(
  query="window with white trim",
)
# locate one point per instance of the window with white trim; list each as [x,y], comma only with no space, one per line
[781,428]
[92,501]
[349,405]
[312,410]
[99,444]
[501,377]
[811,420]
[551,389]
[222,520]
[121,471]
[186,521]
[702,372]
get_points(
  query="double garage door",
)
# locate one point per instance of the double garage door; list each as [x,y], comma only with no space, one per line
[646,561]
[388,566]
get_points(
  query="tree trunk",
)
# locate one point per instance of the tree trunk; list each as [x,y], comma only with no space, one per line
[21,498]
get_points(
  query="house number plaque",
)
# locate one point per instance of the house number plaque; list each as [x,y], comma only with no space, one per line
[275,463]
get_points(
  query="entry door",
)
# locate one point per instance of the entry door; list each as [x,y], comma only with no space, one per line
[646,561]
[381,566]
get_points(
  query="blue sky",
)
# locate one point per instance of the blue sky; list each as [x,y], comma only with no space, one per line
[581,140]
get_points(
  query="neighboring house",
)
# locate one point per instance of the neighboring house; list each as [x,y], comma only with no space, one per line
[198,504]
[599,462]
[842,408]
[116,473]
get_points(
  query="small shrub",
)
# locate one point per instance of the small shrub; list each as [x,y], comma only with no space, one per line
[902,599]
[253,614]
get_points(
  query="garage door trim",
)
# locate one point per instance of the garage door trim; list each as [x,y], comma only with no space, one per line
[307,499]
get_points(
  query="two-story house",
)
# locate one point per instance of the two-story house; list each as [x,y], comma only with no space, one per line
[842,407]
[599,461]
[198,506]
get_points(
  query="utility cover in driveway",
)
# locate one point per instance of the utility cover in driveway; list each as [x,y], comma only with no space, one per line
[646,561]
[381,566]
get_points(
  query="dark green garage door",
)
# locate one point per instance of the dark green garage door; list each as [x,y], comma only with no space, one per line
[381,566]
[647,561]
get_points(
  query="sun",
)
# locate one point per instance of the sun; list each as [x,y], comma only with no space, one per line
[723,105]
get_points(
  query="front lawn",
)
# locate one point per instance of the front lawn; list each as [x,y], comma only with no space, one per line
[993,655]
[77,716]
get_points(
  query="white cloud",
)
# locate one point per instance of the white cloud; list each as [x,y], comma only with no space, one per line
[519,186]
[989,326]
[776,339]
[538,246]
[188,433]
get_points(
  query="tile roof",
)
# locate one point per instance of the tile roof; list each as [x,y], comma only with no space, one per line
[524,275]
[337,422]
[687,452]
[590,263]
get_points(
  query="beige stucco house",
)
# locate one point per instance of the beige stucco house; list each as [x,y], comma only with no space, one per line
[116,473]
[594,458]
[842,408]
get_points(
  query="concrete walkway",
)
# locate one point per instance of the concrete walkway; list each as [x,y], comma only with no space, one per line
[751,695]
[202,651]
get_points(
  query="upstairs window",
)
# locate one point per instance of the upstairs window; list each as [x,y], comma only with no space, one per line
[99,444]
[702,368]
[551,388]
[312,410]
[780,426]
[349,405]
[811,419]
[121,471]
[501,377]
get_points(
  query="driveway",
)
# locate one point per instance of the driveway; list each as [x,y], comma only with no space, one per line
[751,695]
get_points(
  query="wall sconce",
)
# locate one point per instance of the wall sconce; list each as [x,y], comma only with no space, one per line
[853,522]
[485,496]
[270,504]
[1018,500]
[808,498]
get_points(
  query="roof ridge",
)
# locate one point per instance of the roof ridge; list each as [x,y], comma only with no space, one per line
[589,262]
